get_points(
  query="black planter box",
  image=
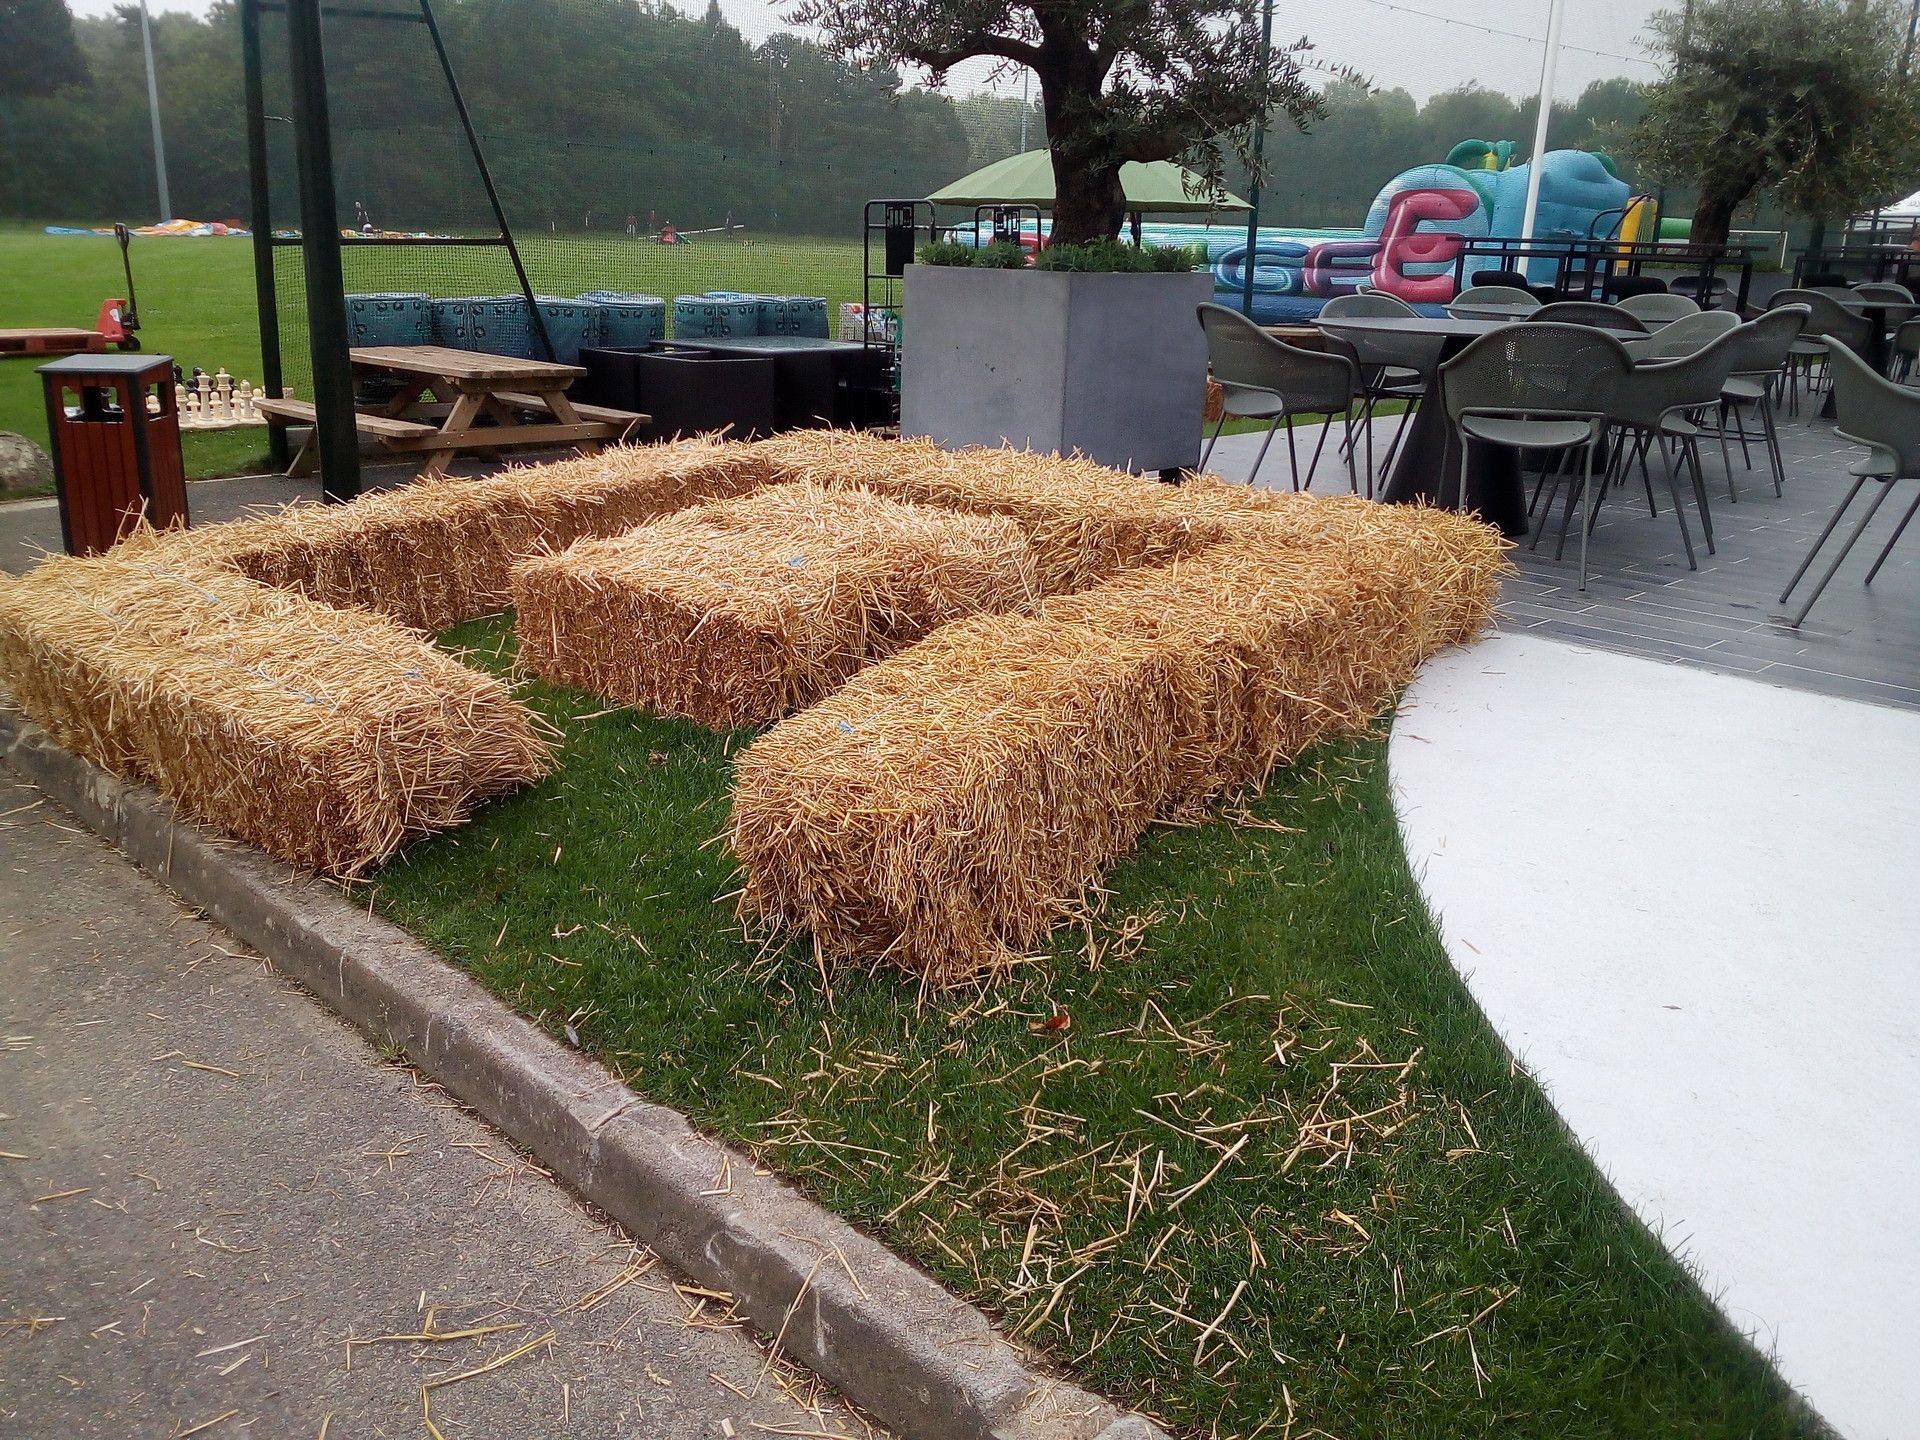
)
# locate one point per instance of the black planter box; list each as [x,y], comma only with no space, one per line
[695,392]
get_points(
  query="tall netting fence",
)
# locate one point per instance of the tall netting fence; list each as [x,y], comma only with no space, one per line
[653,162]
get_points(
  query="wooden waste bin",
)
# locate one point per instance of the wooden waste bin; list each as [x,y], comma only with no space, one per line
[116,446]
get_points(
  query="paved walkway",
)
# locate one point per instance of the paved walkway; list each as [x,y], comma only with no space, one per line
[1688,901]
[209,1186]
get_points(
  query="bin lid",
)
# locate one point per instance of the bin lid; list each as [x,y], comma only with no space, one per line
[106,364]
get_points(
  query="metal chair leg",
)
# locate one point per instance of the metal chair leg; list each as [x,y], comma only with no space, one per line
[1898,531]
[1207,453]
[1253,475]
[1873,509]
[1293,454]
[1314,464]
[1771,431]
[1680,510]
[1832,521]
[1586,490]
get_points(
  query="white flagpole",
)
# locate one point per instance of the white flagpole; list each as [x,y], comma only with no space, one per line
[1547,67]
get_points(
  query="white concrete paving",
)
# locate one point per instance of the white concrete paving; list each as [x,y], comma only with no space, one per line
[1690,903]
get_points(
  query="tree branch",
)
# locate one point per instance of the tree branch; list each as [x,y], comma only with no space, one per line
[980,42]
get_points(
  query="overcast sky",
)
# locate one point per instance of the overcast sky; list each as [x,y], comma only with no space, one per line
[1421,45]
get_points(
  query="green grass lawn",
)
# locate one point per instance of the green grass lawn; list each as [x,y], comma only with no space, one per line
[1241,1151]
[196,297]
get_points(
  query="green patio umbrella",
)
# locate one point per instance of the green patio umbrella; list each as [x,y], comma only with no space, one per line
[1158,187]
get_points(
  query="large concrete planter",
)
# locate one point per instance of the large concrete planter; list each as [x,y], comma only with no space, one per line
[1113,366]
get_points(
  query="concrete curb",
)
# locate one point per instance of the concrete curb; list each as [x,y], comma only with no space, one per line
[923,1362]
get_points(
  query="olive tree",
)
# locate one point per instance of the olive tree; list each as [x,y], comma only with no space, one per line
[1809,101]
[1119,80]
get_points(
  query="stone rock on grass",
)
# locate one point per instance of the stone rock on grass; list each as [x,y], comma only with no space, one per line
[23,464]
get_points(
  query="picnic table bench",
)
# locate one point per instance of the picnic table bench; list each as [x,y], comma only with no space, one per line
[481,404]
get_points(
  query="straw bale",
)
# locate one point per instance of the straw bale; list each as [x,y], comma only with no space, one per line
[436,552]
[946,806]
[326,737]
[739,612]
[1086,521]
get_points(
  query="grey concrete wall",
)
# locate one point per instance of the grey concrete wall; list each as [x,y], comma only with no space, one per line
[1111,365]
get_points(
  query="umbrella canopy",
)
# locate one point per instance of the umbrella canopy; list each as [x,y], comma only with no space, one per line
[1159,187]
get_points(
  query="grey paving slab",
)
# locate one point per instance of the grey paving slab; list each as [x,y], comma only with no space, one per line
[1860,641]
[209,1187]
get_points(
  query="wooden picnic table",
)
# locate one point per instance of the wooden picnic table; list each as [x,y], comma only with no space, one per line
[449,402]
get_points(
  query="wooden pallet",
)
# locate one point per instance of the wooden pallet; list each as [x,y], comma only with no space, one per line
[52,340]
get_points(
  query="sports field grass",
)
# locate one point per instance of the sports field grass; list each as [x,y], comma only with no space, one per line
[196,297]
[1242,1151]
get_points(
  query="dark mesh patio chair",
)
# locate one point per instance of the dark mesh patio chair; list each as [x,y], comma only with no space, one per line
[1493,302]
[1708,292]
[1392,367]
[1659,404]
[1590,312]
[1536,387]
[1906,345]
[1760,350]
[1829,324]
[1884,417]
[1268,379]
[1682,337]
[1656,308]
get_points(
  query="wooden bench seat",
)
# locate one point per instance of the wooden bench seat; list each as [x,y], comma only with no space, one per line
[384,427]
[604,414]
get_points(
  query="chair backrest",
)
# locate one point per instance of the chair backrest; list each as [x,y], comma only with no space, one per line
[1662,308]
[1761,346]
[1883,290]
[1709,291]
[1825,315]
[1693,380]
[1536,370]
[1487,279]
[1241,354]
[1876,412]
[1589,312]
[1489,297]
[1371,304]
[1684,336]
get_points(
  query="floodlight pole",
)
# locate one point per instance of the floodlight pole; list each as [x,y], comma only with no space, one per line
[1555,14]
[260,221]
[336,437]
[153,113]
[1259,156]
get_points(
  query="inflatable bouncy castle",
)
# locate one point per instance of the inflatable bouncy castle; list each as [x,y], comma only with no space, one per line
[1412,236]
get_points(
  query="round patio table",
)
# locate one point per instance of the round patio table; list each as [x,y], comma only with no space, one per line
[1428,465]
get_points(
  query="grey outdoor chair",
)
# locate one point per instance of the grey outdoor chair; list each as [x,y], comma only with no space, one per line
[1760,350]
[1537,387]
[1268,379]
[1884,417]
[1829,324]
[1658,404]
[1392,367]
[1906,345]
[1589,312]
[1493,302]
[1661,308]
[1707,290]
[1680,338]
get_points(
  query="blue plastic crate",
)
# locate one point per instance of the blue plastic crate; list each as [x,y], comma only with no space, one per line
[491,324]
[390,318]
[571,324]
[715,317]
[794,315]
[629,320]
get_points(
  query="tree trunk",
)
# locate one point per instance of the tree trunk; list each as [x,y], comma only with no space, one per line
[1713,218]
[1088,203]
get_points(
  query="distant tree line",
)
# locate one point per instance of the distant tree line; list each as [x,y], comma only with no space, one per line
[594,111]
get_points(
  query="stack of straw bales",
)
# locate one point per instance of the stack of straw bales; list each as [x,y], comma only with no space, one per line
[326,737]
[942,809]
[438,552]
[1086,521]
[946,806]
[739,612]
